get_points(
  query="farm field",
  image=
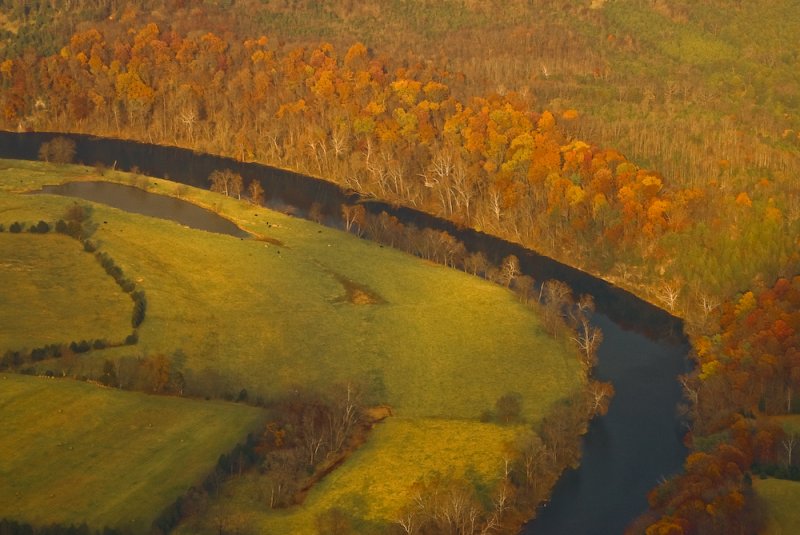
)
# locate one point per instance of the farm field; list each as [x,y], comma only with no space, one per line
[377,482]
[277,312]
[255,315]
[780,498]
[73,452]
[55,293]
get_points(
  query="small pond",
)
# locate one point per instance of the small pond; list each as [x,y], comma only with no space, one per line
[138,201]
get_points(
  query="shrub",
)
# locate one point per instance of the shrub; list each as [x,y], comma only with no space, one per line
[508,408]
[16,227]
[139,308]
[61,227]
[127,285]
[132,339]
[10,359]
[42,227]
[80,347]
[74,229]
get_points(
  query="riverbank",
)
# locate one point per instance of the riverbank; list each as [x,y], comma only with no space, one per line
[195,278]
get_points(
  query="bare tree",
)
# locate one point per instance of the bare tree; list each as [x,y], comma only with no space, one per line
[708,304]
[600,396]
[343,415]
[509,269]
[476,263]
[668,294]
[588,338]
[555,296]
[221,181]
[188,117]
[256,192]
[530,457]
[236,185]
[58,150]
[788,446]
[409,520]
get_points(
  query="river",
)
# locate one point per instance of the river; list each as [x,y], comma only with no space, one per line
[625,453]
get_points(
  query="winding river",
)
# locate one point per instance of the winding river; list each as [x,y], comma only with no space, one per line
[625,453]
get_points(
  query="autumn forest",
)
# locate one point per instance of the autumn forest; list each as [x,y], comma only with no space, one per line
[669,169]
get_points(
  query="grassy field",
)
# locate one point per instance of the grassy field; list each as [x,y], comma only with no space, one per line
[268,318]
[780,498]
[790,423]
[437,345]
[54,292]
[376,482]
[72,452]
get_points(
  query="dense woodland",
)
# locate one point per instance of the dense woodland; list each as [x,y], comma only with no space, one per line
[748,374]
[506,127]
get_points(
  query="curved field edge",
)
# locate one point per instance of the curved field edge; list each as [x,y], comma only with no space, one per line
[779,498]
[377,482]
[72,452]
[267,318]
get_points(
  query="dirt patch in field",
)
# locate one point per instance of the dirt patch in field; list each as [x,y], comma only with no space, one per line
[357,294]
[267,239]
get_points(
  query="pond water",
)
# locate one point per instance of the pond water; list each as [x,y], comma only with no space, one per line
[139,201]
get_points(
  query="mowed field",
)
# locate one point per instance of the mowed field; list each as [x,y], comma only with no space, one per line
[72,452]
[55,293]
[780,498]
[269,317]
[272,314]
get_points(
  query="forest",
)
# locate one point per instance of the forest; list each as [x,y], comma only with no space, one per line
[651,143]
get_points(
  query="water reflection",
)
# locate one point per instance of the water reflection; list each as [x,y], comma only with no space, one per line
[138,201]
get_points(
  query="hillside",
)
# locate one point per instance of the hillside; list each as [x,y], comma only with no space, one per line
[74,453]
[304,310]
[652,143]
[529,130]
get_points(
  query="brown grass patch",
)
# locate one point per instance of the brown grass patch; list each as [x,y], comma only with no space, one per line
[267,239]
[357,294]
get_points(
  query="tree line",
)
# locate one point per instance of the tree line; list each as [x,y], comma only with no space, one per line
[399,133]
[747,373]
[76,223]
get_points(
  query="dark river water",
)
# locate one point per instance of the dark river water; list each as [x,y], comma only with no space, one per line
[625,453]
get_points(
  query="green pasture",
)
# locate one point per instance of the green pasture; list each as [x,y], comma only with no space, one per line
[55,293]
[780,498]
[377,481]
[72,452]
[268,318]
[275,313]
